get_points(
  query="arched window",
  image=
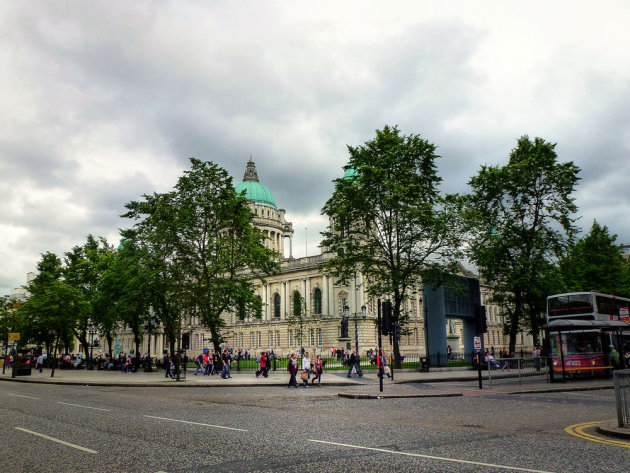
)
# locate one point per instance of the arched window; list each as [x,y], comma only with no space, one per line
[317,301]
[276,305]
[297,303]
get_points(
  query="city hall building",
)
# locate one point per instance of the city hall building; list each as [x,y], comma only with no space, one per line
[338,314]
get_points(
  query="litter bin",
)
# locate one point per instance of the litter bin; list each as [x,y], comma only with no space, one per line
[424,364]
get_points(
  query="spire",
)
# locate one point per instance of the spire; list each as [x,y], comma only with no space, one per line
[250,172]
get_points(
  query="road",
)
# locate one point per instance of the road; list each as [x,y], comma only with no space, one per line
[133,429]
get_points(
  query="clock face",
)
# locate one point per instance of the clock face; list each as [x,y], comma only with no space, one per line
[286,229]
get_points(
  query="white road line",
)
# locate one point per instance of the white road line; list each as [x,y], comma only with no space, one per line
[53,439]
[197,423]
[431,457]
[21,395]
[84,407]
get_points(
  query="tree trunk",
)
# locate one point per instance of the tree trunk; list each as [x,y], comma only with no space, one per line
[54,360]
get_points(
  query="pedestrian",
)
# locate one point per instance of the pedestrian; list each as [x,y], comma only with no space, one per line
[306,366]
[262,365]
[168,364]
[40,362]
[383,369]
[355,364]
[227,361]
[292,368]
[317,372]
[449,352]
[199,363]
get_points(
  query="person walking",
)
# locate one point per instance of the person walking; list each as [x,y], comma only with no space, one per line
[355,364]
[227,361]
[292,368]
[306,366]
[383,369]
[318,370]
[199,363]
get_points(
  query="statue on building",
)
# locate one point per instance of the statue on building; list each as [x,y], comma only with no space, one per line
[344,327]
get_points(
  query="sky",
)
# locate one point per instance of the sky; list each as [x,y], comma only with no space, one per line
[105,101]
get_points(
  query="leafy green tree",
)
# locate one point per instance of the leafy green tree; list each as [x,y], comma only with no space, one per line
[595,263]
[84,266]
[53,308]
[521,217]
[205,254]
[156,235]
[389,221]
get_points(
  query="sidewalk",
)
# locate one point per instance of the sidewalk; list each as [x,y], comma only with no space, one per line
[407,383]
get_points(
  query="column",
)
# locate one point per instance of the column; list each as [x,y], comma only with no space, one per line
[291,246]
[325,295]
[265,301]
[284,300]
[307,294]
[331,297]
[352,303]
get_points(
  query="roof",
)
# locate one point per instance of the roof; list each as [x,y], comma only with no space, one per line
[254,190]
[257,192]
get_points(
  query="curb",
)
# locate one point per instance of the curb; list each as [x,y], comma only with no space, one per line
[394,396]
[614,430]
[165,384]
[565,389]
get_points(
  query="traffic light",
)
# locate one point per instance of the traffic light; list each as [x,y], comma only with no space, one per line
[481,321]
[386,327]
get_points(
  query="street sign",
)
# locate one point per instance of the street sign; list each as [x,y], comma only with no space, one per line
[14,336]
[477,342]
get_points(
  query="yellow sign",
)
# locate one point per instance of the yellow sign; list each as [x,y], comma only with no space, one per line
[14,336]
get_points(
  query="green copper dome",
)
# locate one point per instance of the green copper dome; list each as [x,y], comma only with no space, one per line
[257,192]
[254,190]
[350,174]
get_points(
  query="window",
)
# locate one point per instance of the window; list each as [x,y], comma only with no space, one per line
[278,339]
[312,337]
[252,337]
[290,338]
[276,305]
[270,339]
[297,303]
[317,301]
[320,339]
[259,340]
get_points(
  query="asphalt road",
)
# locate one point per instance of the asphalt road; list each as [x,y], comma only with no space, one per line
[295,430]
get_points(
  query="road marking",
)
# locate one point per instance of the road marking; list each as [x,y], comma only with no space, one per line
[53,439]
[197,423]
[431,457]
[21,395]
[577,430]
[84,407]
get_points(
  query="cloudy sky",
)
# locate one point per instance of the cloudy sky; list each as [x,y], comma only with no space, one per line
[103,101]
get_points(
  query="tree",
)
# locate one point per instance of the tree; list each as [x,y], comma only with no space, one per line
[389,221]
[202,232]
[595,263]
[521,221]
[84,266]
[53,308]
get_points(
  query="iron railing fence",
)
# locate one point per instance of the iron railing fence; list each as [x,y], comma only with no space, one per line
[622,397]
[509,370]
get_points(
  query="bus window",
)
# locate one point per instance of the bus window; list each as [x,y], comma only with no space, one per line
[573,304]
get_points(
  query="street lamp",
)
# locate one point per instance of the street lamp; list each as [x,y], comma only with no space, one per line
[93,332]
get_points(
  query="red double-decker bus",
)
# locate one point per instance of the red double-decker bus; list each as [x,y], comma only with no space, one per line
[588,334]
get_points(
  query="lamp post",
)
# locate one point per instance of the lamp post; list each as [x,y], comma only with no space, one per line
[91,360]
[356,328]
